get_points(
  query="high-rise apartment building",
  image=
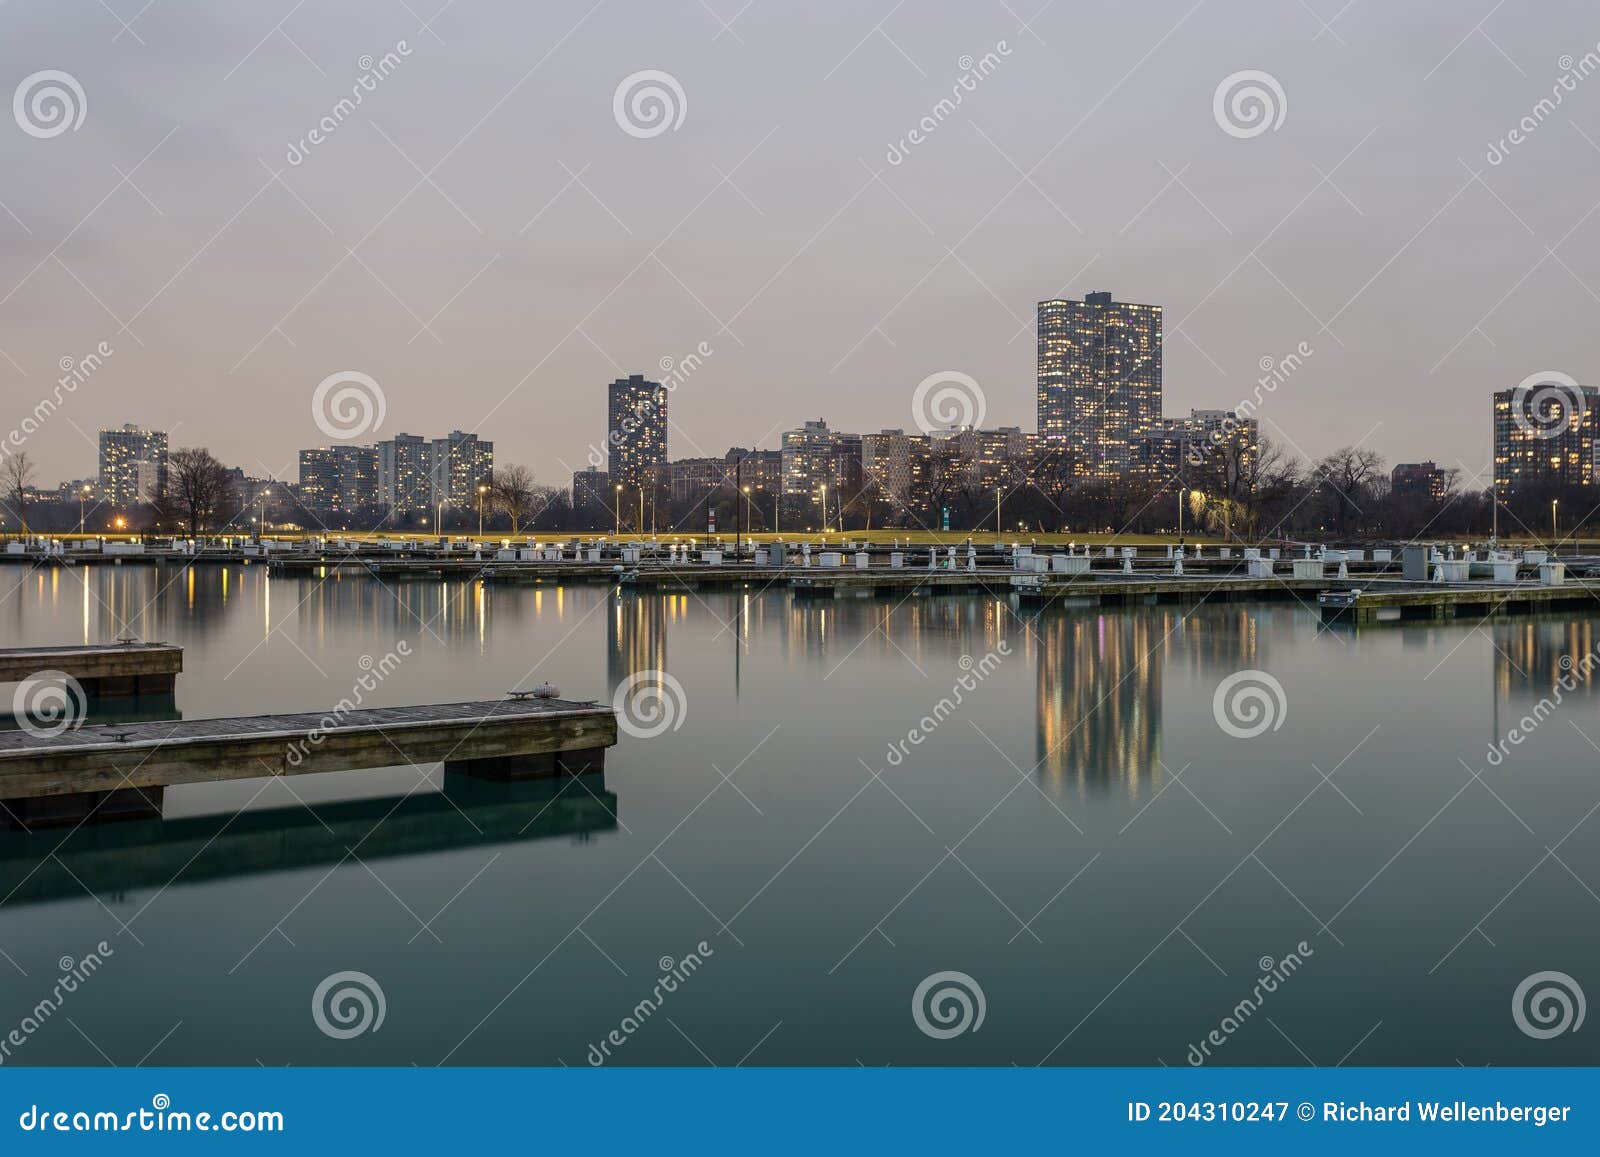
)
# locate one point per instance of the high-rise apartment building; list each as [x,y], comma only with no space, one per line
[591,494]
[984,459]
[1544,434]
[343,477]
[636,432]
[1419,480]
[807,461]
[405,473]
[1209,446]
[460,464]
[889,463]
[319,478]
[1099,379]
[122,482]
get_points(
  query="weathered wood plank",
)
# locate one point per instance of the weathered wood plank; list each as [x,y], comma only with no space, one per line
[92,662]
[160,754]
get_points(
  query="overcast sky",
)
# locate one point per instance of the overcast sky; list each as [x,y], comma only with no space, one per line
[484,239]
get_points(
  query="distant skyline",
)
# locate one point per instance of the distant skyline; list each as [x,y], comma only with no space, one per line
[494,233]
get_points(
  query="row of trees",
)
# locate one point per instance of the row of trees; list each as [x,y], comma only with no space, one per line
[1241,493]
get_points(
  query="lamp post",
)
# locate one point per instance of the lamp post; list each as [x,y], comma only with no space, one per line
[997,514]
[1553,502]
[738,521]
[82,494]
[1181,492]
[261,521]
[482,490]
[640,527]
[616,509]
[824,508]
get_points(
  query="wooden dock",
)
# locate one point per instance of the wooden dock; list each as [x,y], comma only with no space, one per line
[1373,602]
[118,770]
[106,670]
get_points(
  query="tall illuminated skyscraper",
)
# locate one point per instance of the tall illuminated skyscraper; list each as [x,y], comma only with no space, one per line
[636,434]
[1099,388]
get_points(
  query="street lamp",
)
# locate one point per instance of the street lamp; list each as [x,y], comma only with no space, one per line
[482,490]
[1553,502]
[82,494]
[616,509]
[1182,491]
[641,512]
[997,513]
[824,508]
[261,519]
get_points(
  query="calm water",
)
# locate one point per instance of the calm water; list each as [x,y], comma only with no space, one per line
[1078,835]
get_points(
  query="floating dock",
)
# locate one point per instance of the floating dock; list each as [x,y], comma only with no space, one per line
[107,670]
[115,771]
[1398,602]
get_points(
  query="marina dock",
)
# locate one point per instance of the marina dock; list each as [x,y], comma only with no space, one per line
[1368,602]
[120,770]
[106,670]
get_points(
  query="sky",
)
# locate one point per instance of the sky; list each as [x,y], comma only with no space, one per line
[496,231]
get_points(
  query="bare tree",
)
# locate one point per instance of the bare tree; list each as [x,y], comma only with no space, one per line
[198,489]
[1347,477]
[513,491]
[17,478]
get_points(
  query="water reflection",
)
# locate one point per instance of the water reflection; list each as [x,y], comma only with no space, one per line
[1099,699]
[1099,680]
[113,860]
[1532,655]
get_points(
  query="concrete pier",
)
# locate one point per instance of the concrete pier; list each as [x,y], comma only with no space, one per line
[81,771]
